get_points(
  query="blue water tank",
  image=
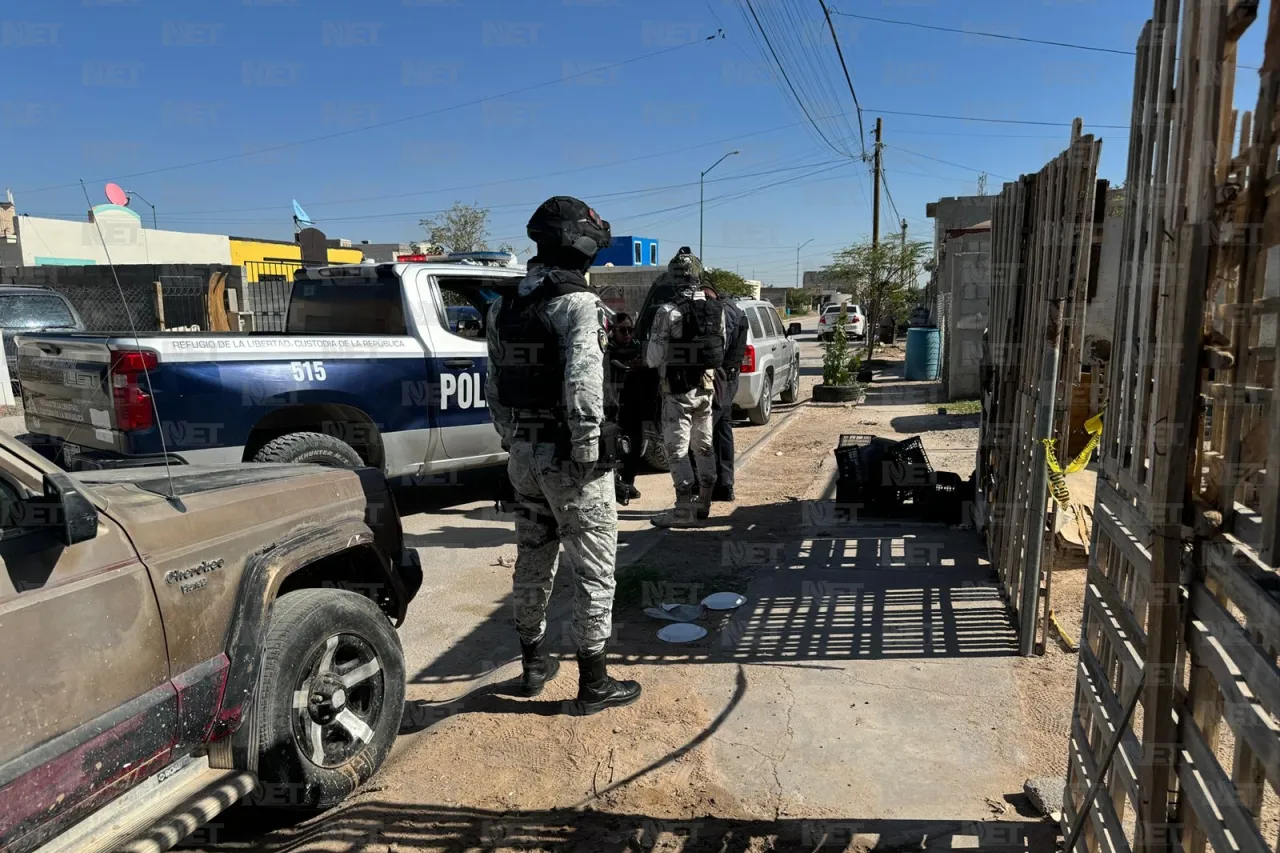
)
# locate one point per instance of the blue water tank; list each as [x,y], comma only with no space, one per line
[924,349]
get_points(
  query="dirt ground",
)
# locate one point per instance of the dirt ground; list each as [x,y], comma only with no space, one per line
[864,698]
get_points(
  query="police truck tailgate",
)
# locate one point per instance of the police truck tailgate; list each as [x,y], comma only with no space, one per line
[66,388]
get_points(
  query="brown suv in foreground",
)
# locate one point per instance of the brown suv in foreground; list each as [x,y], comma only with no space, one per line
[172,644]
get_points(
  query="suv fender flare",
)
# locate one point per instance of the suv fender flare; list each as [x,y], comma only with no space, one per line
[264,573]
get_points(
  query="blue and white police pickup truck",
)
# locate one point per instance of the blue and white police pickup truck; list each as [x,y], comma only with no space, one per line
[370,370]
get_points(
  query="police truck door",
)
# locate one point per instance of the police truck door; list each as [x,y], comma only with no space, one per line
[457,367]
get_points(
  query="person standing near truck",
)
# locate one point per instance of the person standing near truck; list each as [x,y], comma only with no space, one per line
[686,346]
[546,393]
[630,393]
[735,336]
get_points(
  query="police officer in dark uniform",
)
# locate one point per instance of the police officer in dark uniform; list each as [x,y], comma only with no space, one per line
[632,392]
[735,348]
[546,393]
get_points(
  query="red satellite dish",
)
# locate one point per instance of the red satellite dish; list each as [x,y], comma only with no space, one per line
[115,195]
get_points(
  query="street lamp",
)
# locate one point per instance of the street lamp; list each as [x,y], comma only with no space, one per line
[798,248]
[700,198]
[148,204]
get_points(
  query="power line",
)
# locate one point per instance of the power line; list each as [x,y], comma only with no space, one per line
[1089,47]
[988,35]
[994,120]
[948,162]
[884,180]
[390,122]
[787,78]
[862,132]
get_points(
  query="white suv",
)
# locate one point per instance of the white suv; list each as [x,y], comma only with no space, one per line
[855,325]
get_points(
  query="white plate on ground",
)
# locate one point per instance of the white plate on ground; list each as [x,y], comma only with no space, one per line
[723,601]
[681,632]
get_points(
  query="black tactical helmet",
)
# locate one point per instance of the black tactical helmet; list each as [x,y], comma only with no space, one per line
[564,222]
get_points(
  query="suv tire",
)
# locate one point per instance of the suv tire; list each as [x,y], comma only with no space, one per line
[310,448]
[760,413]
[791,393]
[339,651]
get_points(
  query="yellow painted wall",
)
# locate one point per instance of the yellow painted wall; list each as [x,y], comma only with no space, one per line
[345,256]
[255,252]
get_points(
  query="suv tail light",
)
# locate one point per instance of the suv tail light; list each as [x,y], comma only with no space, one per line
[129,390]
[749,360]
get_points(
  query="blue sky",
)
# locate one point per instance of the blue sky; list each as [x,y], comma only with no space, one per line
[115,89]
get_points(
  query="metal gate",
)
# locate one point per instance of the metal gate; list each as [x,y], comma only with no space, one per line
[267,287]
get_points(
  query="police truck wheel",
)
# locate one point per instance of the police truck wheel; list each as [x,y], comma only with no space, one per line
[791,393]
[310,448]
[330,698]
[760,413]
[655,453]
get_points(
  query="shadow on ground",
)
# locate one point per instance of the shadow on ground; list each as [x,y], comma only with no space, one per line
[374,824]
[822,585]
[916,424]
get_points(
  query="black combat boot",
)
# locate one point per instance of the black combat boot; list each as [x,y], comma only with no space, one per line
[539,668]
[597,691]
[704,502]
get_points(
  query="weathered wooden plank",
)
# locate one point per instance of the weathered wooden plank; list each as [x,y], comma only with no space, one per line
[1249,585]
[1259,669]
[1107,827]
[1132,550]
[1239,395]
[1123,630]
[1105,707]
[1211,794]
[1242,712]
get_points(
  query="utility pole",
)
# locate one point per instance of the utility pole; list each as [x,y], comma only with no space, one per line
[875,204]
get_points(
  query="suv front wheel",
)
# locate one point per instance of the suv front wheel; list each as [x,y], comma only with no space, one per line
[330,697]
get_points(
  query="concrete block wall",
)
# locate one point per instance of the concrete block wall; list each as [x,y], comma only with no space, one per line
[957,212]
[964,286]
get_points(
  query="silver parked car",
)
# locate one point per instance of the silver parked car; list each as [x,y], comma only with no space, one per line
[771,366]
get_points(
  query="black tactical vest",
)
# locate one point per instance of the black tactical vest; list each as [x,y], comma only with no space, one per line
[532,368]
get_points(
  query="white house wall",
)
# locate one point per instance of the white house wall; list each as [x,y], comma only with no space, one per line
[68,242]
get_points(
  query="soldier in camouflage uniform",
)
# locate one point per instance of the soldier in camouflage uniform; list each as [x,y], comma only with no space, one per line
[546,395]
[688,393]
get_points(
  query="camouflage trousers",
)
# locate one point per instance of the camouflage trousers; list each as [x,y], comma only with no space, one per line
[686,433]
[555,511]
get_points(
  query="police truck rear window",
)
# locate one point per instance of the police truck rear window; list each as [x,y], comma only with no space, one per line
[347,306]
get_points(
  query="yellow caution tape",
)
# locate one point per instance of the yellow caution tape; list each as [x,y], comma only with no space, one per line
[1066,638]
[1057,474]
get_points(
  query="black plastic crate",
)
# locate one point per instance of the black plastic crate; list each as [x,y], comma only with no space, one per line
[944,501]
[912,450]
[847,463]
[849,439]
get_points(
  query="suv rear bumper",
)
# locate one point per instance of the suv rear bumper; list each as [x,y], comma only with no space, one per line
[750,386]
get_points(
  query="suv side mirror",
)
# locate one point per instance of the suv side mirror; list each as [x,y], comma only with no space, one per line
[793,329]
[64,510]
